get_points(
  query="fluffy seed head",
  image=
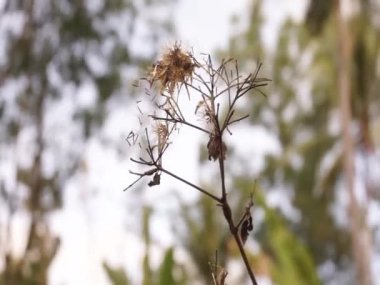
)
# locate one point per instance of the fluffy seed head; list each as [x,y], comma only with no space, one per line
[175,67]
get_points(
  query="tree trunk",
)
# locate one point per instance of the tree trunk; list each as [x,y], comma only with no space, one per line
[360,233]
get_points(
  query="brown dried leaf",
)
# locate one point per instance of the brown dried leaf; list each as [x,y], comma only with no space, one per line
[156,180]
[216,148]
[246,227]
[222,277]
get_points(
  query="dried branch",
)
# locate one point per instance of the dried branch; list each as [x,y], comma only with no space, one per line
[219,274]
[211,84]
[190,184]
[173,120]
[141,175]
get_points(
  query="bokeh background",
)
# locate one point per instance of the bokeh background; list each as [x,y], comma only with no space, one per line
[310,149]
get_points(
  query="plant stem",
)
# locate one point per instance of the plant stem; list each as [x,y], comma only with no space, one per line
[180,121]
[227,214]
[190,184]
[244,256]
[234,231]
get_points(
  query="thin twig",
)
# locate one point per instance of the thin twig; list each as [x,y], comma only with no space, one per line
[141,175]
[190,184]
[237,120]
[173,120]
[245,214]
[245,259]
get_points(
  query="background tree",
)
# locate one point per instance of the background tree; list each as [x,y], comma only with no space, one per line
[53,51]
[301,111]
[169,271]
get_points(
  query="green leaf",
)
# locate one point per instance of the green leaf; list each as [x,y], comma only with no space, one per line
[117,276]
[166,270]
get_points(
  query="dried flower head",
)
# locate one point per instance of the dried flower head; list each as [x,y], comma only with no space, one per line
[175,67]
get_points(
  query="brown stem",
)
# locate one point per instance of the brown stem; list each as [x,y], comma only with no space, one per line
[190,184]
[180,121]
[228,216]
[244,256]
[234,231]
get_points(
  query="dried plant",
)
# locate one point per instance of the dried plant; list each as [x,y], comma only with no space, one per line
[174,68]
[214,88]
[218,273]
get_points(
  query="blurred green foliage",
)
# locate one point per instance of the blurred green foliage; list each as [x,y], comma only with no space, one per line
[117,276]
[300,109]
[169,272]
[50,50]
[203,233]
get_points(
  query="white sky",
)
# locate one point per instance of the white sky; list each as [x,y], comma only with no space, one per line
[205,25]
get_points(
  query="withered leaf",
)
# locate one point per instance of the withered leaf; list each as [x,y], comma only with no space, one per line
[222,277]
[156,180]
[215,148]
[246,228]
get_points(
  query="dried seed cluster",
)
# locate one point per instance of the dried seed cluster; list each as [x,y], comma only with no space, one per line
[175,67]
